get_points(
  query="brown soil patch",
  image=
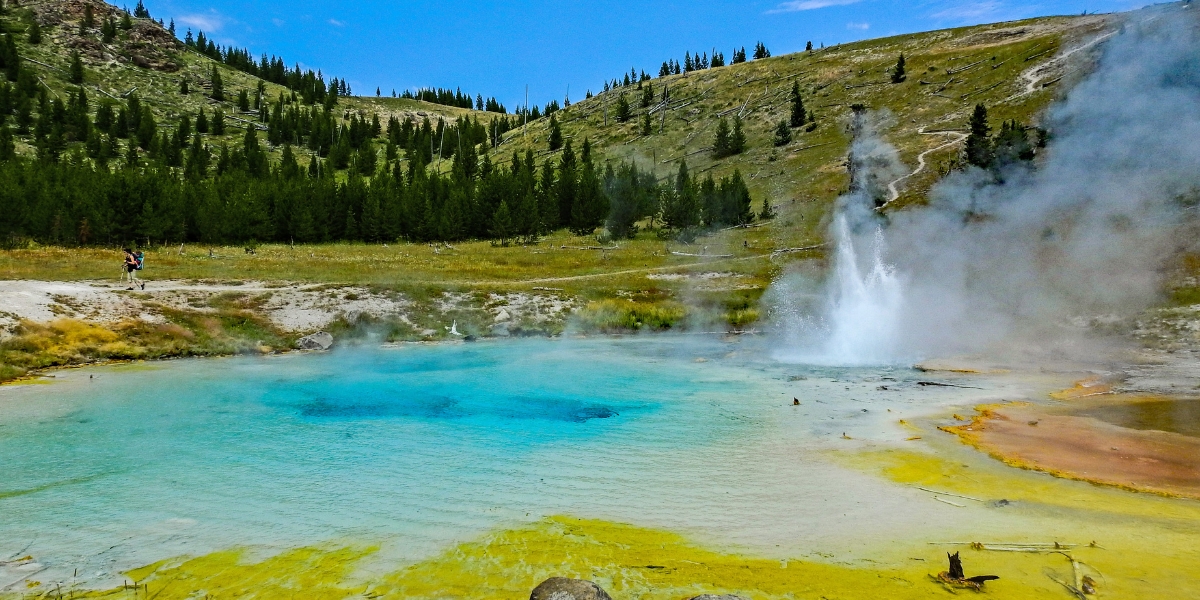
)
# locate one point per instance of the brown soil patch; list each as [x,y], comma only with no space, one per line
[1087,449]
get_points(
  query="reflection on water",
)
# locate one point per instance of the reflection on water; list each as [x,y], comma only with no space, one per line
[1176,416]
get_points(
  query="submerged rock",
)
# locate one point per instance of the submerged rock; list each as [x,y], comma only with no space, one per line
[316,341]
[561,588]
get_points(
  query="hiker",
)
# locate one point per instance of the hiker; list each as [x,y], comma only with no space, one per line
[133,264]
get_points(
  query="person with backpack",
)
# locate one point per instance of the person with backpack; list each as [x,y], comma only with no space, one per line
[133,264]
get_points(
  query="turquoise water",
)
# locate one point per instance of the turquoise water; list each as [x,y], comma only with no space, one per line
[418,447]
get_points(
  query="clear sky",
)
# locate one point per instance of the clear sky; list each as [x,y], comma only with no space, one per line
[497,47]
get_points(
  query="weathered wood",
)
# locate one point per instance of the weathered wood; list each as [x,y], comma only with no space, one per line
[962,69]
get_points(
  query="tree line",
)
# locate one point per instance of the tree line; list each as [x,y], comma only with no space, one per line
[244,198]
[120,176]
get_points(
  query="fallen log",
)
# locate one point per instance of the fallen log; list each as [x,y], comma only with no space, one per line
[970,66]
[950,385]
[800,249]
[702,255]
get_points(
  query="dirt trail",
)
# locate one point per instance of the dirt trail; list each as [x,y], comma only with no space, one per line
[893,191]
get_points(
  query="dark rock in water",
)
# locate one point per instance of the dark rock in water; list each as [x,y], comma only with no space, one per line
[594,412]
[316,341]
[716,597]
[561,588]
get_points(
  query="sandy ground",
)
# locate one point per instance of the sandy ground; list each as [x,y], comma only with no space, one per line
[293,307]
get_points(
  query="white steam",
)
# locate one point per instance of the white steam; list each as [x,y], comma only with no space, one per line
[1085,233]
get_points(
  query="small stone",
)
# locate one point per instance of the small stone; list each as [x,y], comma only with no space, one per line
[317,341]
[562,588]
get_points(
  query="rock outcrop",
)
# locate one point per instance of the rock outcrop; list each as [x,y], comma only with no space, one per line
[562,588]
[317,341]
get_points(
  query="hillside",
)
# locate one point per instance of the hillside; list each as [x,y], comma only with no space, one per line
[1015,69]
[150,62]
[418,239]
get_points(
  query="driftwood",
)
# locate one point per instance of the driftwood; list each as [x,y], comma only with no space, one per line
[948,494]
[850,87]
[587,248]
[101,90]
[800,249]
[40,80]
[43,64]
[745,226]
[812,146]
[950,385]
[947,84]
[258,126]
[955,577]
[1042,53]
[702,255]
[961,69]
[990,87]
[705,149]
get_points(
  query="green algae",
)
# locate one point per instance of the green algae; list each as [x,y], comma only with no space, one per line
[1143,545]
[628,561]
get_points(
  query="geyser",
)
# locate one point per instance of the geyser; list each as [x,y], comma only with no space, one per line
[1010,259]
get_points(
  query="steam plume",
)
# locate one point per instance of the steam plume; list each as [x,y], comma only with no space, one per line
[1085,233]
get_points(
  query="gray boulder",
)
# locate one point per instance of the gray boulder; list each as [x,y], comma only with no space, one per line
[316,341]
[561,588]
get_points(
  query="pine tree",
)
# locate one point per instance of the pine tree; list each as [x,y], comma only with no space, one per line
[89,18]
[647,95]
[108,31]
[898,72]
[808,47]
[1012,144]
[8,148]
[34,33]
[737,139]
[140,11]
[502,223]
[783,134]
[760,51]
[799,115]
[768,212]
[76,72]
[183,87]
[218,85]
[217,125]
[243,101]
[201,121]
[647,125]
[556,137]
[127,24]
[721,140]
[623,109]
[979,144]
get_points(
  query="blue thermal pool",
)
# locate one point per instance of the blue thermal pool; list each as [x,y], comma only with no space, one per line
[417,447]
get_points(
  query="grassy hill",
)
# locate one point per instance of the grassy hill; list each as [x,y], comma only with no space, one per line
[149,61]
[1016,69]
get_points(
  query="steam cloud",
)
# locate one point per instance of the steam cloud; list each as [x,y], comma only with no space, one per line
[1085,233]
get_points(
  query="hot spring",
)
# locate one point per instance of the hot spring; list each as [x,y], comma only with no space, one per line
[415,448]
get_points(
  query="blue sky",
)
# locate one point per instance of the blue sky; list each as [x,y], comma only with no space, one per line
[497,47]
